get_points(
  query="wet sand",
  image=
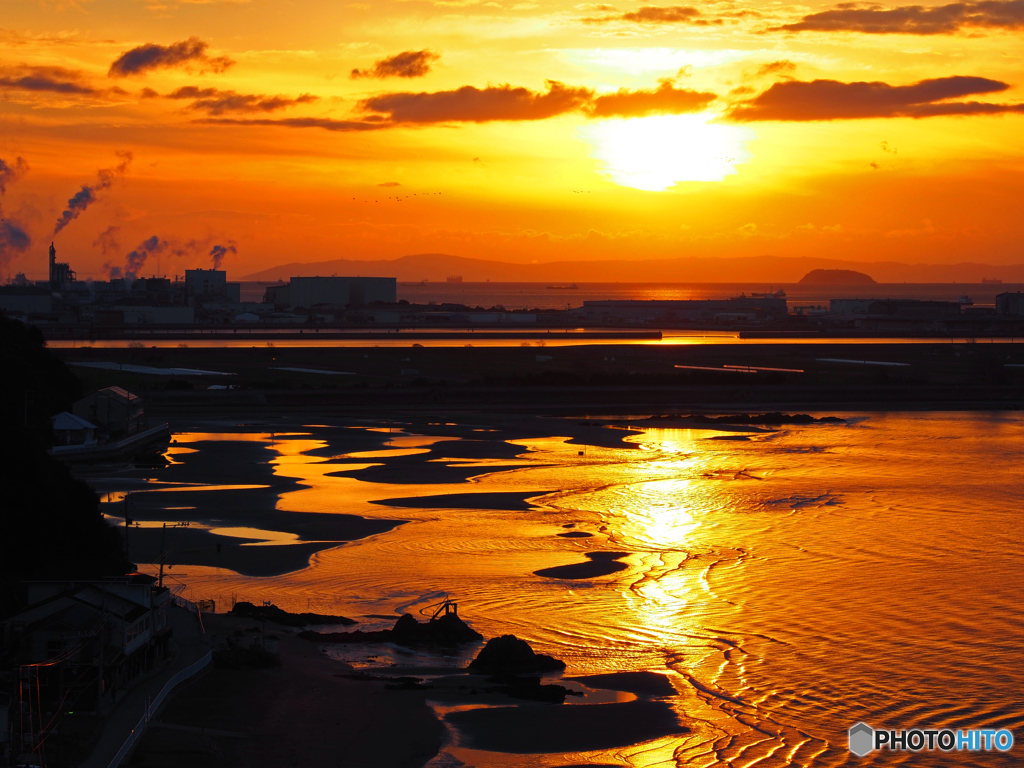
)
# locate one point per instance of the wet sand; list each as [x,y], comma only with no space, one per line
[315,711]
[566,728]
[301,713]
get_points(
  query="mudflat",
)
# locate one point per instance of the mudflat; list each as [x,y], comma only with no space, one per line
[301,713]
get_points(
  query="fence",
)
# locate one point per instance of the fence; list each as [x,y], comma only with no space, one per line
[153,705]
[191,607]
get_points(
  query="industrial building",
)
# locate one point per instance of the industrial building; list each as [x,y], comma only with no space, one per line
[211,283]
[896,308]
[341,292]
[671,312]
[60,273]
[1010,303]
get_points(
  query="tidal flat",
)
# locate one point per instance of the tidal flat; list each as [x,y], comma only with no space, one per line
[784,587]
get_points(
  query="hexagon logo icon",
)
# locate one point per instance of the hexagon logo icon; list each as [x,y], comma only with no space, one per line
[862,737]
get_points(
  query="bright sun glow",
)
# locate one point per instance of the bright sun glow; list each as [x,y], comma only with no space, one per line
[654,153]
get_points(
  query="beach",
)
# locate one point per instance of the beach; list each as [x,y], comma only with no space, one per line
[728,569]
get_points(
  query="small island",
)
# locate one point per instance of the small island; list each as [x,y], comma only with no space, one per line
[836,277]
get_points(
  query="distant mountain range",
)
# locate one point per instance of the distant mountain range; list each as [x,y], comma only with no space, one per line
[436,267]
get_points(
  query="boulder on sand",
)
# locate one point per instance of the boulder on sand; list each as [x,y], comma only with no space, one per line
[445,630]
[508,655]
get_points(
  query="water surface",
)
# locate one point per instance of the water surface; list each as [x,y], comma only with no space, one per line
[790,584]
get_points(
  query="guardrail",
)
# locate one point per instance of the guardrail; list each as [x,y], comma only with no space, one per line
[154,704]
[188,605]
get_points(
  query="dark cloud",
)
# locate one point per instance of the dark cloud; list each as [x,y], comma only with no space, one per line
[107,241]
[216,102]
[913,19]
[60,80]
[479,105]
[86,196]
[404,64]
[659,14]
[389,184]
[218,252]
[150,56]
[833,100]
[665,99]
[11,172]
[469,104]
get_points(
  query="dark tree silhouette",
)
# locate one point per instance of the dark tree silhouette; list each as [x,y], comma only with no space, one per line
[50,522]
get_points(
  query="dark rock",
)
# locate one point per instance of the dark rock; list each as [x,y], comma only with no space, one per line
[508,654]
[445,631]
[275,614]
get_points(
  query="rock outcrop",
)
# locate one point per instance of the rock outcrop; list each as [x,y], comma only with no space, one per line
[508,655]
[444,631]
[280,616]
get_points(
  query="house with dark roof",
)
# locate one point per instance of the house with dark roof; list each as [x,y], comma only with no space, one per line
[116,410]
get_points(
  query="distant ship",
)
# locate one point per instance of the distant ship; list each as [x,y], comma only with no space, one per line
[572,287]
[779,294]
[995,280]
[453,279]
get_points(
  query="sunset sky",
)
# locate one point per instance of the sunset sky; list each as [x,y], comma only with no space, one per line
[285,131]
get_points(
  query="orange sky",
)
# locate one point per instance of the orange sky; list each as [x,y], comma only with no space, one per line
[520,131]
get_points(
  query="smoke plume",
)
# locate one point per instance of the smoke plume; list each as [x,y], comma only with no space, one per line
[11,173]
[86,196]
[107,241]
[218,252]
[13,239]
[158,246]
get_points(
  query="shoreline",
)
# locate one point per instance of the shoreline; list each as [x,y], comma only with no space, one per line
[321,710]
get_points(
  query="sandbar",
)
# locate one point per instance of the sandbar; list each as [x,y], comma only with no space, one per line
[564,728]
[598,564]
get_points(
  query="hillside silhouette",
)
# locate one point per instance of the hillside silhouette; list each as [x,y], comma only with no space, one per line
[436,267]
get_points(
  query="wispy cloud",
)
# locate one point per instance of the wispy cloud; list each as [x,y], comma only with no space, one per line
[56,80]
[217,102]
[326,123]
[656,14]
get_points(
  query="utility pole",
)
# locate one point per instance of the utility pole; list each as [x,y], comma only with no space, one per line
[163,538]
[127,525]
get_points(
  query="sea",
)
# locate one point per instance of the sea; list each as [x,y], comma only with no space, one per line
[563,295]
[789,583]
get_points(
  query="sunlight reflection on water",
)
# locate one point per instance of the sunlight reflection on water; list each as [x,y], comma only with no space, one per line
[791,584]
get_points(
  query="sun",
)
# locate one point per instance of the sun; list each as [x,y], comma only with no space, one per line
[655,153]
